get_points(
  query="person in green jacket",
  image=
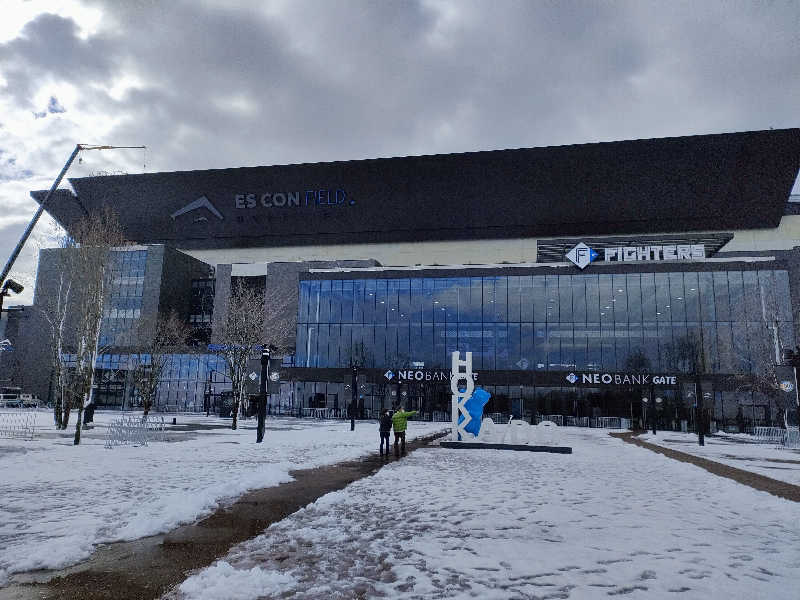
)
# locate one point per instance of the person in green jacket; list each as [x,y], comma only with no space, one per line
[400,423]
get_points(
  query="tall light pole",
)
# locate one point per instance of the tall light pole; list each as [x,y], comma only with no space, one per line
[262,398]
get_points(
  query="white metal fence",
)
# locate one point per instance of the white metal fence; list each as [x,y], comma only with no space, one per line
[19,425]
[135,431]
[789,438]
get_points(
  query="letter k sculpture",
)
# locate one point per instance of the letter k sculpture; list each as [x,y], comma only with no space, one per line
[459,397]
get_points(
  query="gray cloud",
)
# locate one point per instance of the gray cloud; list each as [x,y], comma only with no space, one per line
[237,85]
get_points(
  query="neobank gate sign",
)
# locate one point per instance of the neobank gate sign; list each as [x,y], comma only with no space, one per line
[600,379]
[581,255]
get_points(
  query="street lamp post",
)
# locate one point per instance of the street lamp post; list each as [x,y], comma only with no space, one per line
[354,398]
[262,398]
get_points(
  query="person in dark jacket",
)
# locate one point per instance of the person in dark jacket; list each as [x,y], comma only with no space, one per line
[385,429]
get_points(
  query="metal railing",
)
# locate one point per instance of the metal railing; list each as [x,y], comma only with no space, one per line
[18,425]
[135,430]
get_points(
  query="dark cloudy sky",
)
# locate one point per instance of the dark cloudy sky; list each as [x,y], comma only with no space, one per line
[222,83]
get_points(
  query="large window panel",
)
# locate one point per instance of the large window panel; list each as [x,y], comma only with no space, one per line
[501,299]
[302,336]
[752,295]
[553,347]
[336,301]
[782,296]
[501,346]
[742,360]
[551,298]
[565,299]
[416,299]
[393,300]
[707,303]
[725,348]
[379,346]
[663,305]
[648,287]
[608,347]
[527,343]
[592,299]
[579,355]
[514,299]
[514,360]
[322,345]
[404,344]
[619,298]
[469,339]
[736,296]
[426,348]
[368,304]
[650,344]
[677,301]
[606,300]
[565,335]
[622,345]
[538,290]
[721,296]
[578,285]
[334,344]
[449,296]
[439,345]
[526,298]
[393,357]
[709,359]
[325,302]
[540,345]
[381,301]
[302,305]
[691,296]
[489,347]
[594,347]
[634,297]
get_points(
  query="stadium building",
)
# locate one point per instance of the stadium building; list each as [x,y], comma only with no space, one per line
[582,278]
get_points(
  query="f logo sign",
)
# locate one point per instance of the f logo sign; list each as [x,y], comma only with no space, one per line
[581,255]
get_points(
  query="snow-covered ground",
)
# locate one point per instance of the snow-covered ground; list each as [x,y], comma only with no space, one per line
[57,501]
[610,519]
[736,450]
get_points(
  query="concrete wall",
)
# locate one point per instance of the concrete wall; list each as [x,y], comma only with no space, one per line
[398,254]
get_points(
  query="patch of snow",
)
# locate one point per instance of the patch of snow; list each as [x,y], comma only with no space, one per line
[736,450]
[223,582]
[58,500]
[610,519]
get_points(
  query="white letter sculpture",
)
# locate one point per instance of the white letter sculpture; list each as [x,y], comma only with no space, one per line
[460,398]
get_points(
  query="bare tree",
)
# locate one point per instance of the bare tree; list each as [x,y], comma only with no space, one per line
[55,310]
[239,338]
[256,318]
[87,263]
[157,340]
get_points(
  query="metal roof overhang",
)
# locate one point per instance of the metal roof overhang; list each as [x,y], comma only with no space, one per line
[698,183]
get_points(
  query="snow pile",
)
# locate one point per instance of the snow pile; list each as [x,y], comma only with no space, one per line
[58,501]
[223,582]
[736,450]
[610,519]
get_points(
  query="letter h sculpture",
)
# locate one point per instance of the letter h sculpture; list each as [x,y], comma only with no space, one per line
[457,375]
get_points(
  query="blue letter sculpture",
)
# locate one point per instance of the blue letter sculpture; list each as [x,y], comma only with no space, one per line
[474,407]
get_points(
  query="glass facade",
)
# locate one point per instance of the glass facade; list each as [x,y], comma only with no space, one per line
[124,306]
[586,322]
[189,381]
